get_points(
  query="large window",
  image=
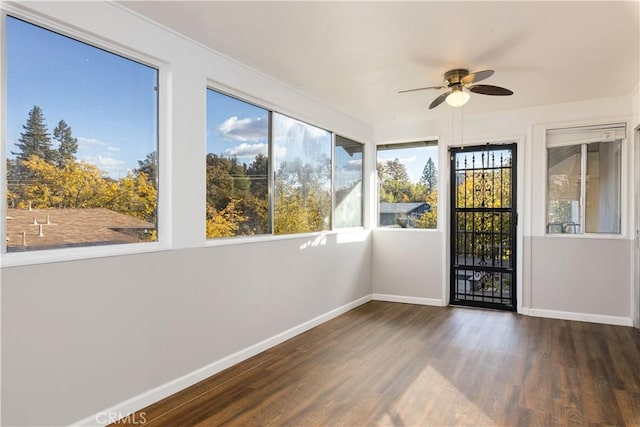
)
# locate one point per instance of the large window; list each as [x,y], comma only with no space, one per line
[82,132]
[408,185]
[268,173]
[237,167]
[302,187]
[583,179]
[348,183]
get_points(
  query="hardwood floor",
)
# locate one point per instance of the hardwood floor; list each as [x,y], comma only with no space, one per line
[409,365]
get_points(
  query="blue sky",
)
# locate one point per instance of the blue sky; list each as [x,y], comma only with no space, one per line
[479,159]
[237,128]
[109,102]
[348,167]
[414,159]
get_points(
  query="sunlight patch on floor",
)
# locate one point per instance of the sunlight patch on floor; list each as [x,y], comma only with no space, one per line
[451,405]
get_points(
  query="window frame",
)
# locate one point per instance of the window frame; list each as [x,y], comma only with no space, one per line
[230,94]
[164,196]
[333,184]
[271,110]
[543,132]
[431,141]
[273,172]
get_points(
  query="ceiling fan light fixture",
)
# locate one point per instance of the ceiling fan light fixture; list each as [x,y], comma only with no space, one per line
[457,98]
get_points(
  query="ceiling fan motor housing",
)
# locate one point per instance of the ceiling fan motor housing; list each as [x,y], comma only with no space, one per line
[454,77]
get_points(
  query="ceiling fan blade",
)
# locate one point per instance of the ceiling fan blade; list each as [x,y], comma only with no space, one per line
[476,77]
[439,100]
[490,90]
[421,88]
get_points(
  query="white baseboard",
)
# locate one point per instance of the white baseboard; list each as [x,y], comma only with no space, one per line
[123,409]
[582,317]
[408,300]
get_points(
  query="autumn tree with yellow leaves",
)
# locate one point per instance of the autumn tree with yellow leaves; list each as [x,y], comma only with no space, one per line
[396,187]
[43,176]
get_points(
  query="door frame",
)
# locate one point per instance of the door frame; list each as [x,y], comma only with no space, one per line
[635,301]
[523,195]
[481,149]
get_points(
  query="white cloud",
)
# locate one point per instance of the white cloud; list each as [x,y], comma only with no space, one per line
[281,151]
[113,149]
[249,129]
[294,129]
[355,164]
[246,150]
[409,159]
[84,142]
[114,167]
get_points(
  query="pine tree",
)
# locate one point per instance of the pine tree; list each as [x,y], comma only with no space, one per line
[68,145]
[35,141]
[430,175]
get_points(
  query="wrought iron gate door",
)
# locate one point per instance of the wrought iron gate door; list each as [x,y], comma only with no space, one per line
[483,226]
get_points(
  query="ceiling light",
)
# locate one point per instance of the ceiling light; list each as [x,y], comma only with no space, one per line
[457,97]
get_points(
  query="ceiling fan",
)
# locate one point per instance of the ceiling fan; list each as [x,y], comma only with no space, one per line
[458,82]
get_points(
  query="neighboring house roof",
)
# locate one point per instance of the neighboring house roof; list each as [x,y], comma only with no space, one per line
[71,227]
[400,208]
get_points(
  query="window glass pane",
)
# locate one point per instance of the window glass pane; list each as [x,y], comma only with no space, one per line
[237,167]
[81,143]
[348,183]
[302,190]
[603,187]
[563,189]
[408,185]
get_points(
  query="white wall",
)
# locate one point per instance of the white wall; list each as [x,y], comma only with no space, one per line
[582,277]
[558,276]
[407,266]
[82,336]
[636,105]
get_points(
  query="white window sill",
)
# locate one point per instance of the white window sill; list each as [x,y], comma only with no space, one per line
[15,259]
[243,240]
[603,236]
[406,230]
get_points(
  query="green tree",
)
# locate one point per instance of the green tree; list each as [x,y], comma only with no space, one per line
[395,186]
[68,145]
[245,187]
[429,219]
[35,139]
[149,166]
[430,175]
[226,222]
[76,185]
[297,213]
[302,201]
[83,185]
[258,172]
[133,195]
[15,186]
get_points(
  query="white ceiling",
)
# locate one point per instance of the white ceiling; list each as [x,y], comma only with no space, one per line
[355,56]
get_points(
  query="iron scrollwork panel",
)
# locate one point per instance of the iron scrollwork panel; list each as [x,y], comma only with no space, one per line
[483,226]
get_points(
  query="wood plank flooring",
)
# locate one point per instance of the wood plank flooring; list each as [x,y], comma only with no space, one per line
[390,364]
